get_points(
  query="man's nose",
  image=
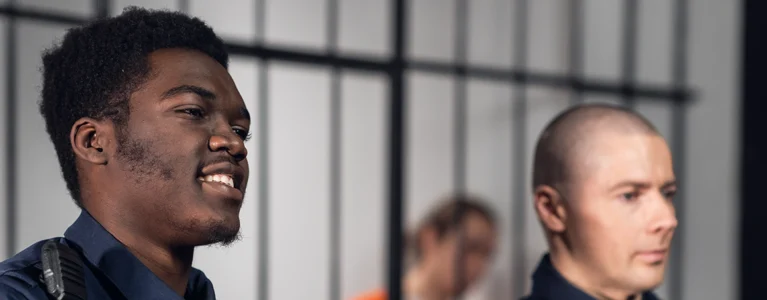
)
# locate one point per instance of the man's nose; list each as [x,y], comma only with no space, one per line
[227,140]
[664,215]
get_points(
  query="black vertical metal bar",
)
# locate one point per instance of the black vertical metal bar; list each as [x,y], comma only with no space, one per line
[335,155]
[10,133]
[183,6]
[263,159]
[752,261]
[102,8]
[679,144]
[629,42]
[576,40]
[397,125]
[460,129]
[519,157]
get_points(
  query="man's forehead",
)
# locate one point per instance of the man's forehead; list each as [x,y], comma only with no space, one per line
[186,63]
[175,67]
[628,157]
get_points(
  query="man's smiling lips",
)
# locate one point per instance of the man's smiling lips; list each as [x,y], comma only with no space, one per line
[220,185]
[223,180]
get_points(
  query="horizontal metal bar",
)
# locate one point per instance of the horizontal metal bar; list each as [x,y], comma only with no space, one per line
[53,17]
[641,91]
[306,56]
[652,92]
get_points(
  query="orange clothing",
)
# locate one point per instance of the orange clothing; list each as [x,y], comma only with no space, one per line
[379,294]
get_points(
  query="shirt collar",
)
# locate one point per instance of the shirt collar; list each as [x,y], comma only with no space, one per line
[548,283]
[128,274]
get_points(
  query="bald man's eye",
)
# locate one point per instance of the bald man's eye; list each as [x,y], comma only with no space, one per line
[669,195]
[632,196]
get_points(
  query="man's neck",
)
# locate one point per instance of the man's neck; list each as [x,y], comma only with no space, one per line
[577,275]
[172,265]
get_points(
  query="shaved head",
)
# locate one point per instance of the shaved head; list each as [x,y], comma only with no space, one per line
[559,153]
[603,188]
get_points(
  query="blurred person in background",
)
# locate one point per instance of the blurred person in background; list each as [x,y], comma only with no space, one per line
[462,227]
[150,132]
[603,184]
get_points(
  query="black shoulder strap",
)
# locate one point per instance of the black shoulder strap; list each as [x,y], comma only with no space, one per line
[62,271]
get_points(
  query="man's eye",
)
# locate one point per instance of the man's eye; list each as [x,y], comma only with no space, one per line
[194,112]
[630,196]
[244,134]
[669,194]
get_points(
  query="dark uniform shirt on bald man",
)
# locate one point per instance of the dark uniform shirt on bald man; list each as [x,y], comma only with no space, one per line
[548,284]
[111,271]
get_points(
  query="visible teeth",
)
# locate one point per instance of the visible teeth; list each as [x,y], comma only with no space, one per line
[220,178]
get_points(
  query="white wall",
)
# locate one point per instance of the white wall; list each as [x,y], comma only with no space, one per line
[299,166]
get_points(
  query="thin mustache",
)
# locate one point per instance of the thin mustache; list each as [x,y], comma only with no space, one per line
[221,159]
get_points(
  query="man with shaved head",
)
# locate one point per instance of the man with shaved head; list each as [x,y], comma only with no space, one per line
[603,184]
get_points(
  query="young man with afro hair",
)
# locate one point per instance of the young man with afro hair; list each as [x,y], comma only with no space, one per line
[150,131]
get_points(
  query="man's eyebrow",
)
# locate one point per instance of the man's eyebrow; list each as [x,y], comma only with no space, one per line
[245,113]
[642,185]
[630,183]
[669,184]
[183,89]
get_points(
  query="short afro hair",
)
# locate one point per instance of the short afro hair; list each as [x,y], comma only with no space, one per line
[96,68]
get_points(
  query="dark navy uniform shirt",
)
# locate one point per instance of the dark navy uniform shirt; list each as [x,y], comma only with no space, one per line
[548,284]
[111,272]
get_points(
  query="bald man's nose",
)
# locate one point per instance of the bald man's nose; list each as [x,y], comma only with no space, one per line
[664,215]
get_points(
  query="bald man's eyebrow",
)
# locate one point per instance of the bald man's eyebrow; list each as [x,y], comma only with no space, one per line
[643,185]
[634,184]
[193,89]
[668,185]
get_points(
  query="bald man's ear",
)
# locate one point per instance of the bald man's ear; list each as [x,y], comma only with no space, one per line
[550,207]
[91,139]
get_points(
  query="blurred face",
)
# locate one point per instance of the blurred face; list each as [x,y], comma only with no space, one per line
[477,247]
[621,219]
[181,155]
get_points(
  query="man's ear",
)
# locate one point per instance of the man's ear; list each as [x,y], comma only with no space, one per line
[92,140]
[550,207]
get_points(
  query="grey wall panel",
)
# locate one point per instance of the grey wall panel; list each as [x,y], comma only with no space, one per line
[299,23]
[365,27]
[429,143]
[299,182]
[713,151]
[602,45]
[654,41]
[489,173]
[490,33]
[431,29]
[364,169]
[236,20]
[547,35]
